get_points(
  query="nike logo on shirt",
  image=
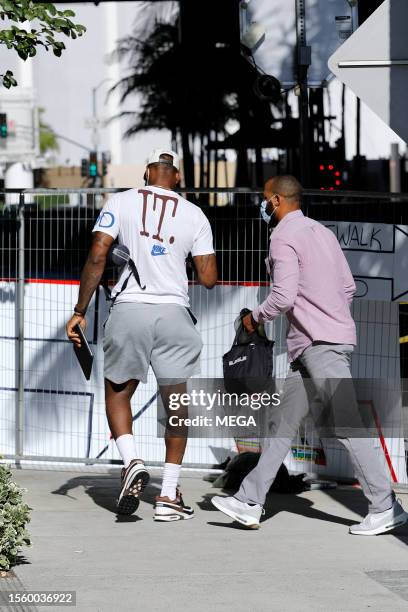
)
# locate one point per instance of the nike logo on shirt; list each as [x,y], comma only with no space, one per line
[158,250]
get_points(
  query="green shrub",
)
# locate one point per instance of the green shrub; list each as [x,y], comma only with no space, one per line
[14,515]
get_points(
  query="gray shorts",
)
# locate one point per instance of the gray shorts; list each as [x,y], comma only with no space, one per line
[160,335]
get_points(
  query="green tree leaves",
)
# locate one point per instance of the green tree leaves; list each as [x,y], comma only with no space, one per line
[40,25]
[9,80]
[14,515]
[48,139]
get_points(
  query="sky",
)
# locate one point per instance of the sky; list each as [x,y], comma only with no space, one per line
[64,85]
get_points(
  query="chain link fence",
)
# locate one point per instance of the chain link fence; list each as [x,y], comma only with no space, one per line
[49,412]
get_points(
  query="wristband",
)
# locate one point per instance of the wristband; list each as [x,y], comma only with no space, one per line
[78,312]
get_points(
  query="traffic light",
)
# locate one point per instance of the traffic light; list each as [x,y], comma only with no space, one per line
[93,164]
[105,162]
[330,176]
[84,168]
[3,125]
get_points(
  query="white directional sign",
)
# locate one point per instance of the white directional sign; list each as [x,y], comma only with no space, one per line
[373,62]
[378,257]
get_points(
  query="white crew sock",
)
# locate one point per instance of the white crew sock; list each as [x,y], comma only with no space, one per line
[171,475]
[127,448]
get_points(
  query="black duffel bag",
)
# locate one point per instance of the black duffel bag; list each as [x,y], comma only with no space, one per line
[248,365]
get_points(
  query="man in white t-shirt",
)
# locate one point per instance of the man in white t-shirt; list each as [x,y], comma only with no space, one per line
[149,323]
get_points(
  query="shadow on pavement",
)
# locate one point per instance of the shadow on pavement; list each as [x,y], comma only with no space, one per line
[205,503]
[104,491]
[276,503]
[21,560]
[354,500]
[295,504]
[232,525]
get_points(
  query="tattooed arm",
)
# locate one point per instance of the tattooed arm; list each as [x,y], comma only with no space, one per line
[206,268]
[90,278]
[93,269]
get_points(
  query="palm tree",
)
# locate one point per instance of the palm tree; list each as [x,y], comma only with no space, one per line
[195,104]
[156,60]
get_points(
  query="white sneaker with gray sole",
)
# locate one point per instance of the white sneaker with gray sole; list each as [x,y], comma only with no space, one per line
[381,522]
[246,514]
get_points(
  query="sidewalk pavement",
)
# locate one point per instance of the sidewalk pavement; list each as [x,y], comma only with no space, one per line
[302,558]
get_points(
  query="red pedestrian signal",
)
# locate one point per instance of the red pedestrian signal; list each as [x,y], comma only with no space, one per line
[329,176]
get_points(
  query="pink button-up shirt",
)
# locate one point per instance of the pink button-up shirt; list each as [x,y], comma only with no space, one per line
[312,285]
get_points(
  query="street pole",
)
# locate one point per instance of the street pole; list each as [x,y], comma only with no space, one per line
[95,127]
[95,122]
[357,165]
[354,14]
[114,74]
[303,57]
[19,408]
[395,169]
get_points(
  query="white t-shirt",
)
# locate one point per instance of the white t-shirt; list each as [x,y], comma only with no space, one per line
[160,229]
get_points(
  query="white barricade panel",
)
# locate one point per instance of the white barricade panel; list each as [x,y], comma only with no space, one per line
[65,414]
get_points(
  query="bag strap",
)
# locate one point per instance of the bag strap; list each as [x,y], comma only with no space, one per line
[134,271]
[193,318]
[239,330]
[125,283]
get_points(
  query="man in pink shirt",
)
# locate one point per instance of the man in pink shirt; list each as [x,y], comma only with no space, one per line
[313,286]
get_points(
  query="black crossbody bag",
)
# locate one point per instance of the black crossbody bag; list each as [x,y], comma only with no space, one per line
[119,255]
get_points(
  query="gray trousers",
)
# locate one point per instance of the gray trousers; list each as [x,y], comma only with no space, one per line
[321,363]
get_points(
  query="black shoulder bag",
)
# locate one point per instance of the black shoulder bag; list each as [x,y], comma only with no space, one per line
[248,365]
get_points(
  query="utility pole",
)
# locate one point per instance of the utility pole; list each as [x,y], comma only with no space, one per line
[113,73]
[95,122]
[303,61]
[357,160]
[395,169]
[95,126]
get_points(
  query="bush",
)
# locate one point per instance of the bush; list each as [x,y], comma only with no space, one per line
[14,515]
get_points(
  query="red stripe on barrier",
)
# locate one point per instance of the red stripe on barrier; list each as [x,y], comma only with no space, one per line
[50,281]
[55,281]
[42,281]
[244,283]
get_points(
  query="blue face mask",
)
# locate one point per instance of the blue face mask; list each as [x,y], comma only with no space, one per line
[265,216]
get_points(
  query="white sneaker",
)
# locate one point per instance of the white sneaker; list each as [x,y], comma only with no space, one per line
[167,510]
[245,514]
[381,522]
[134,479]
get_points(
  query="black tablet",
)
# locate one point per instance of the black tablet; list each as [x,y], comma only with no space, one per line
[84,353]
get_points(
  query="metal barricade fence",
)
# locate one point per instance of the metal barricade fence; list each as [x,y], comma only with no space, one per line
[49,412]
